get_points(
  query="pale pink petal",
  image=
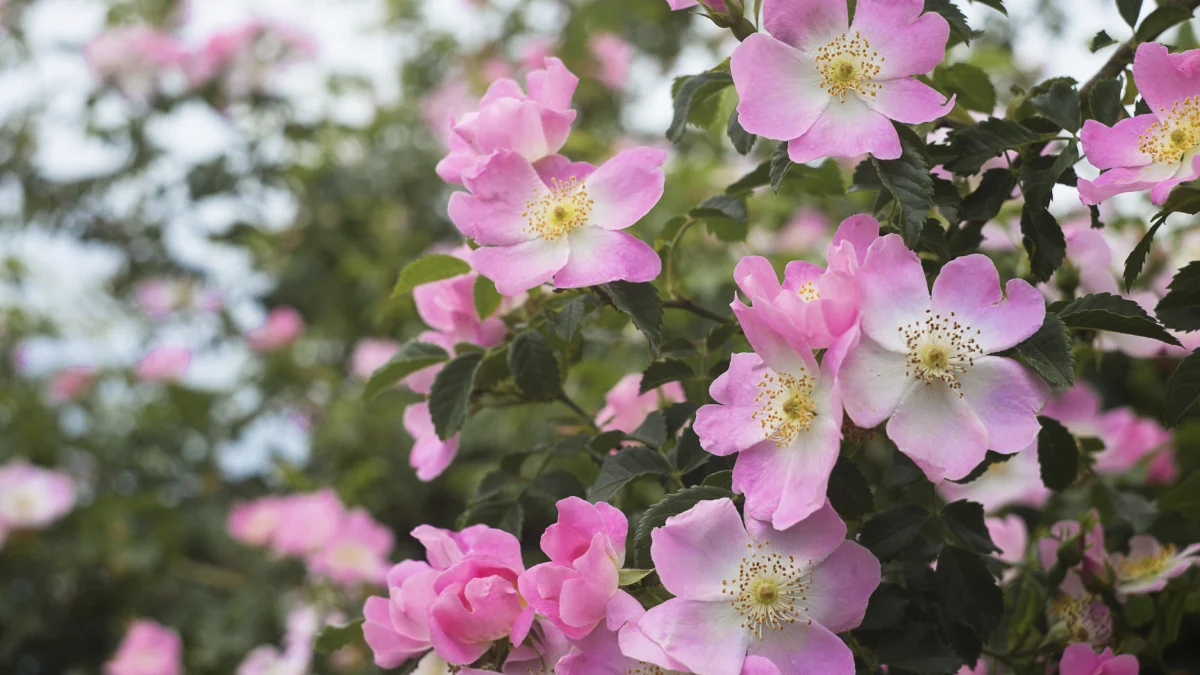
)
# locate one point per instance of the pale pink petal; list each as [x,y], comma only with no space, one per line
[1185,173]
[552,86]
[599,256]
[501,190]
[1110,147]
[1006,398]
[786,485]
[625,188]
[759,665]
[779,354]
[1123,179]
[841,586]
[515,269]
[968,288]
[874,381]
[557,167]
[755,277]
[1165,79]
[431,455]
[697,549]
[909,101]
[805,24]
[846,128]
[939,431]
[779,87]
[893,291]
[707,637]
[907,44]
[805,649]
[738,385]
[858,231]
[813,538]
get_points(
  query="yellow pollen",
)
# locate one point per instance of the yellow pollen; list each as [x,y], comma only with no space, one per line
[939,349]
[1176,133]
[1084,618]
[554,213]
[643,668]
[787,406]
[770,590]
[847,64]
[1141,567]
[808,291]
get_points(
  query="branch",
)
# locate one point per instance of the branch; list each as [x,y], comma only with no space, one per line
[1124,54]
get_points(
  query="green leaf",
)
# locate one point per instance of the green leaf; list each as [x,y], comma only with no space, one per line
[1058,454]
[450,396]
[410,358]
[334,637]
[1137,257]
[760,176]
[533,366]
[890,532]
[569,317]
[1039,174]
[743,142]
[1180,307]
[724,216]
[1139,610]
[1105,311]
[631,577]
[824,180]
[997,5]
[1130,11]
[780,165]
[641,302]
[628,464]
[1183,498]
[427,269]
[985,202]
[487,298]
[1044,241]
[1182,389]
[974,145]
[849,492]
[1183,199]
[688,455]
[909,181]
[1048,352]
[721,479]
[1105,101]
[653,430]
[918,649]
[969,592]
[1161,20]
[965,520]
[671,505]
[1060,104]
[693,91]
[953,15]
[662,372]
[1100,41]
[970,84]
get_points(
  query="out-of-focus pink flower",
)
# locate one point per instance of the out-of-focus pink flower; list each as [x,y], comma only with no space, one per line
[148,649]
[614,56]
[243,59]
[32,497]
[70,383]
[807,230]
[254,523]
[441,107]
[1010,536]
[1150,565]
[587,549]
[495,68]
[268,660]
[430,455]
[534,53]
[1155,151]
[784,594]
[533,125]
[718,5]
[156,297]
[370,354]
[624,408]
[925,360]
[561,221]
[832,89]
[1081,659]
[357,551]
[397,627]
[1163,468]
[281,327]
[1128,439]
[1014,482]
[133,59]
[308,522]
[980,668]
[163,364]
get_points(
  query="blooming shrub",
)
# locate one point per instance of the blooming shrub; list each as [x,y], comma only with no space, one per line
[466,369]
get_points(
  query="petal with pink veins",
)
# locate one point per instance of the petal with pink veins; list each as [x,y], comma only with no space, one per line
[625,188]
[873,382]
[1118,145]
[910,101]
[847,128]
[1165,79]
[779,88]
[909,43]
[599,256]
[969,287]
[515,269]
[707,637]
[805,24]
[841,586]
[698,549]
[939,431]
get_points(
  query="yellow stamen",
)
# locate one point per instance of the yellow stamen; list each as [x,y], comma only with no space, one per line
[848,64]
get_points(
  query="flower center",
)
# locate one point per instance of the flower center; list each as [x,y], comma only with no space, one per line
[808,291]
[1146,566]
[1086,619]
[848,64]
[939,348]
[769,591]
[643,668]
[554,213]
[1173,136]
[352,557]
[21,507]
[787,406]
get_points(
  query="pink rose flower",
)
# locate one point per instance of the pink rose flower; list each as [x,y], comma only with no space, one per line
[254,523]
[535,52]
[32,497]
[148,649]
[1163,469]
[1010,535]
[754,590]
[1127,438]
[281,327]
[1155,151]
[1084,615]
[625,409]
[430,455]
[534,126]
[370,354]
[133,59]
[446,103]
[614,56]
[70,383]
[1080,659]
[244,58]
[1150,565]
[356,552]
[813,306]
[924,360]
[586,547]
[1017,481]
[718,5]
[397,627]
[804,232]
[832,90]
[560,221]
[308,522]
[164,364]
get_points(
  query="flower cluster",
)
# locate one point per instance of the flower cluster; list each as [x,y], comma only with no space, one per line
[32,497]
[345,546]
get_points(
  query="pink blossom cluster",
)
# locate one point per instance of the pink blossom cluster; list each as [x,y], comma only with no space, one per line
[750,599]
[148,648]
[345,546]
[537,216]
[279,329]
[31,498]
